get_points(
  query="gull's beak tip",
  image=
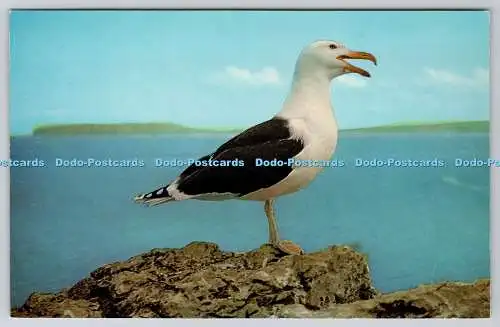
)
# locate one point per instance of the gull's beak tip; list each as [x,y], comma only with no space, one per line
[372,58]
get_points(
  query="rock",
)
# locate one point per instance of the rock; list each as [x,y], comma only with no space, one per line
[59,306]
[444,300]
[200,280]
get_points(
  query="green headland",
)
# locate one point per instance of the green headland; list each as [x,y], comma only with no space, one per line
[171,128]
[126,128]
[480,126]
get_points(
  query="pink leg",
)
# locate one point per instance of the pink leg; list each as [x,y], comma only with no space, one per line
[285,246]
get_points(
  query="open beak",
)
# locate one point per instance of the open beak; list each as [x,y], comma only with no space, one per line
[357,55]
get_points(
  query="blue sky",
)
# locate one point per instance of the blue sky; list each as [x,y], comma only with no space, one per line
[233,68]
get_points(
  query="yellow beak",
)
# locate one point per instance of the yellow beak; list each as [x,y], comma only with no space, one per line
[357,55]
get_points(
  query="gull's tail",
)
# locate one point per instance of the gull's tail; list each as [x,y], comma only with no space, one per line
[155,197]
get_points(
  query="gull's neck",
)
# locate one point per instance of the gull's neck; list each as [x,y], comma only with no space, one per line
[309,97]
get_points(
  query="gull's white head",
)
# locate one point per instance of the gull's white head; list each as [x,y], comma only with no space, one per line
[329,57]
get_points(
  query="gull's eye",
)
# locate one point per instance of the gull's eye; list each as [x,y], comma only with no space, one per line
[332,46]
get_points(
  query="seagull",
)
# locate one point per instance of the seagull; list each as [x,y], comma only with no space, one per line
[304,130]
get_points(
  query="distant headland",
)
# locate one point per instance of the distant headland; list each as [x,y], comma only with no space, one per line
[476,126]
[172,128]
[126,128]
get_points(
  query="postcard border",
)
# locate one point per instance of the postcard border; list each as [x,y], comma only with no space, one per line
[5,319]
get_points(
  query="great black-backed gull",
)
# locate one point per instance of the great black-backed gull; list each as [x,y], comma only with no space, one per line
[304,129]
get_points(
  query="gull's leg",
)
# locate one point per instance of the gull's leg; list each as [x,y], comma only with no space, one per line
[271,220]
[285,246]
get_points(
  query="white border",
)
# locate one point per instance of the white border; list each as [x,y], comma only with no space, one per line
[255,4]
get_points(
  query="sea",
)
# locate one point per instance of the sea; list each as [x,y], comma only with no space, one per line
[418,224]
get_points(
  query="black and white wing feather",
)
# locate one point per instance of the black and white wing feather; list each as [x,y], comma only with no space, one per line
[269,140]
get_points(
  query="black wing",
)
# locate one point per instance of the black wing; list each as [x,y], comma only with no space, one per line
[268,140]
[274,129]
[271,130]
[241,180]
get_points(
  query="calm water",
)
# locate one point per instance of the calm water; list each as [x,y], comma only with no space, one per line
[418,225]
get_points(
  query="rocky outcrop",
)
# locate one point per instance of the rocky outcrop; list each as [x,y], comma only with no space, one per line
[200,280]
[445,300]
